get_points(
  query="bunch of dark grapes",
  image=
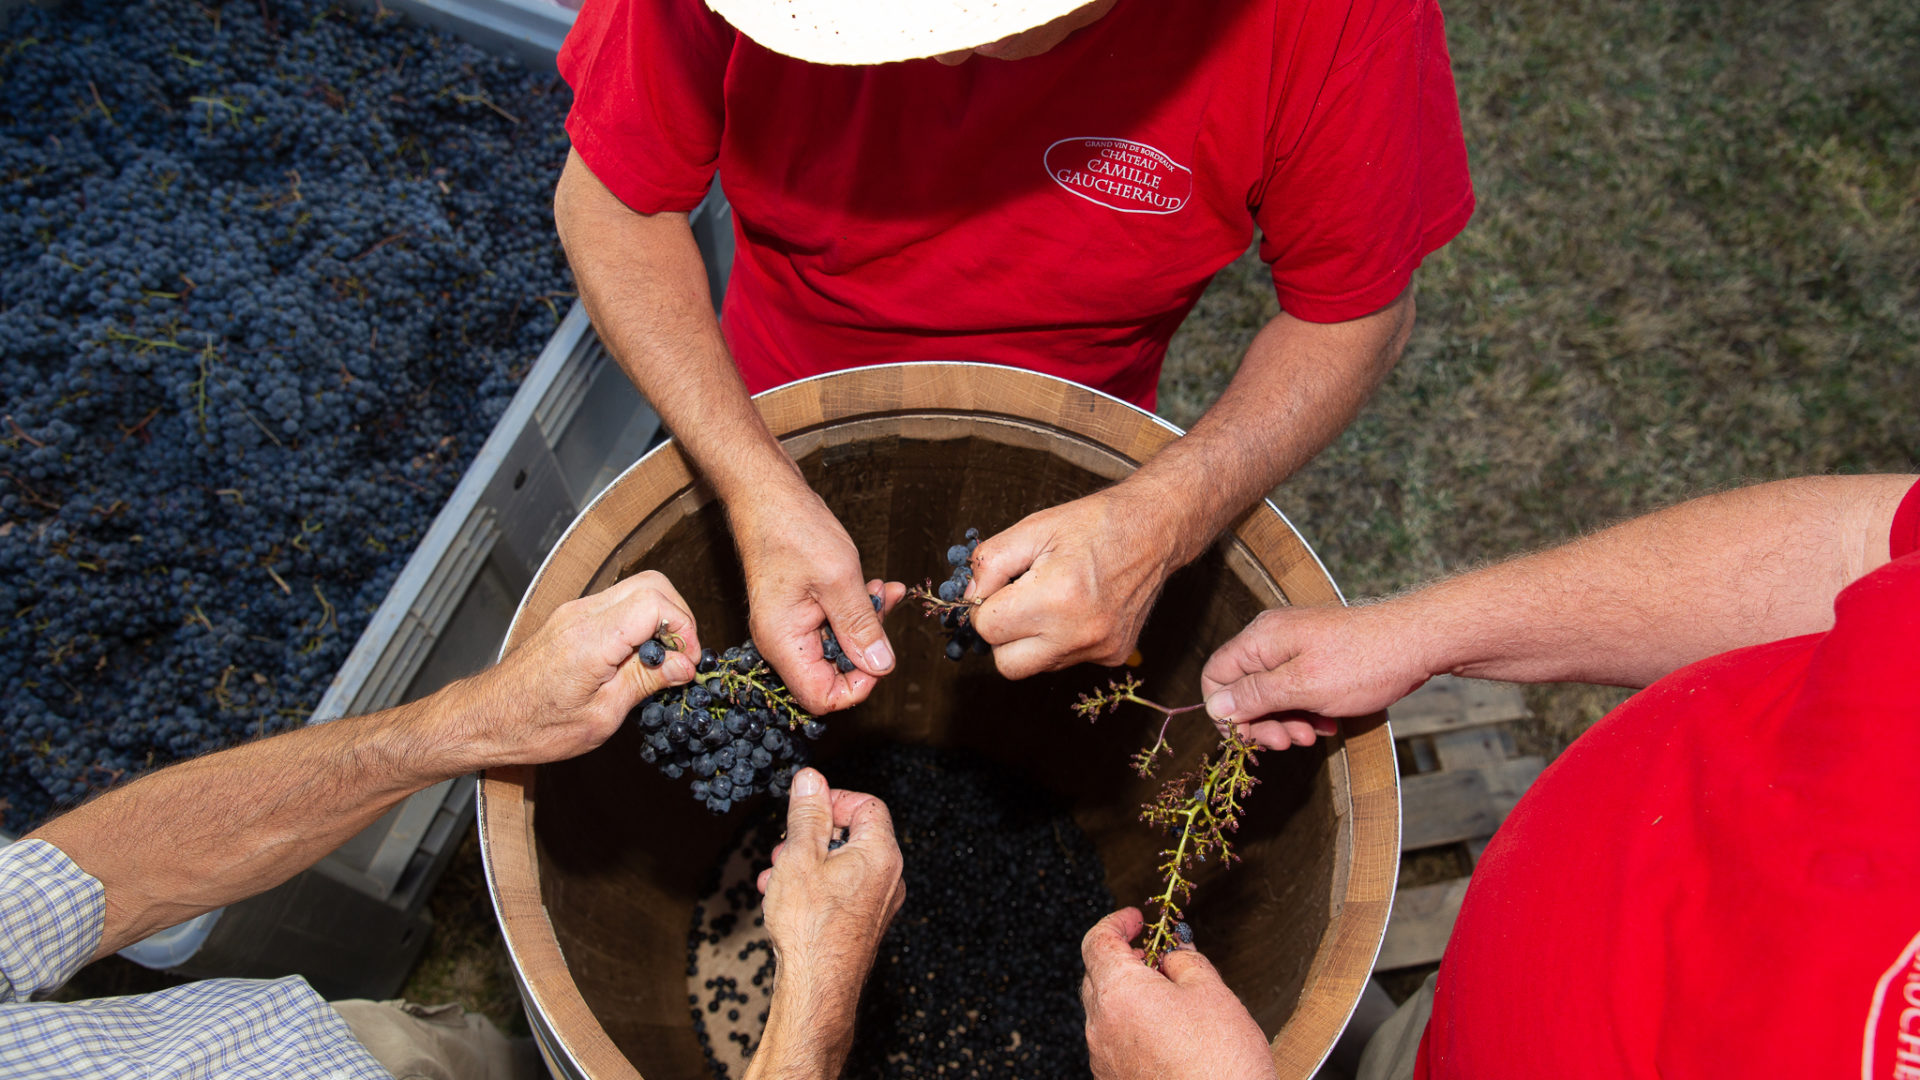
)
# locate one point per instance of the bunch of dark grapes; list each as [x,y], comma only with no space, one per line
[269,273]
[735,729]
[949,602]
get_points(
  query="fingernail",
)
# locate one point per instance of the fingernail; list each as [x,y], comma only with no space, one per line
[1324,726]
[879,657]
[808,782]
[1220,705]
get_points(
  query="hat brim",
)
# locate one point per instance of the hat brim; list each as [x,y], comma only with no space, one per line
[883,31]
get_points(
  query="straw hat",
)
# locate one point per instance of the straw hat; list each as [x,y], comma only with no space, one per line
[882,31]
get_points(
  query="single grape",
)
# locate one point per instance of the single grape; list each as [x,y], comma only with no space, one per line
[652,653]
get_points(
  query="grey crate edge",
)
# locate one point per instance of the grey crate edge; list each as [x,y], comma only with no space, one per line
[531,30]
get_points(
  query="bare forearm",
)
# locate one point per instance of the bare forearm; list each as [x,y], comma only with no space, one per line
[643,283]
[214,830]
[1629,605]
[807,1037]
[1298,387]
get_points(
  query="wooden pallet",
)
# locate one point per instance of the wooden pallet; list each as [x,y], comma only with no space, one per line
[1460,775]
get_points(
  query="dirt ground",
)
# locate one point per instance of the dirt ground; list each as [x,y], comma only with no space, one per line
[1695,264]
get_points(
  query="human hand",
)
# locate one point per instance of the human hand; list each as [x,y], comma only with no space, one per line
[569,686]
[1299,667]
[802,574]
[1087,573]
[1179,1022]
[826,910]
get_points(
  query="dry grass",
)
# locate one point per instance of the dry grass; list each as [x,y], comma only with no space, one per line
[466,958]
[1696,262]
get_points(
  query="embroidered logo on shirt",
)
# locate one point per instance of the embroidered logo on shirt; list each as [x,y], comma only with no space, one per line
[1127,176]
[1893,1023]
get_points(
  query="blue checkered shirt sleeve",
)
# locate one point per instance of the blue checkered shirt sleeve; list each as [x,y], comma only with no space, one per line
[51,917]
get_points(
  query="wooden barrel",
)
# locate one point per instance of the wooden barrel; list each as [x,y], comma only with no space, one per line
[595,864]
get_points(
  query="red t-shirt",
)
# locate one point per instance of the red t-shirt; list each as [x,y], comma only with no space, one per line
[1721,878]
[1060,213]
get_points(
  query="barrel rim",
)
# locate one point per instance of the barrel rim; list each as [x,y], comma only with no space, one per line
[1364,915]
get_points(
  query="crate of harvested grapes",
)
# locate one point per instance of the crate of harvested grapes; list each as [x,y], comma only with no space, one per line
[628,905]
[281,439]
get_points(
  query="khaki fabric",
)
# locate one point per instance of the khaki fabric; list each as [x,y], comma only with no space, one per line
[438,1042]
[1394,1048]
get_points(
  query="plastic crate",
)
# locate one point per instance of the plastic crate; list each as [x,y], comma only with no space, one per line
[355,923]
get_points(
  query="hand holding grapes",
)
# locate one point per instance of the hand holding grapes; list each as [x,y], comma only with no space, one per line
[803,574]
[1071,583]
[827,905]
[569,686]
[1178,1021]
[1283,677]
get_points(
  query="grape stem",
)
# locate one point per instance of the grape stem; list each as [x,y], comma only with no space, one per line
[1200,808]
[779,700]
[932,605]
[1202,816]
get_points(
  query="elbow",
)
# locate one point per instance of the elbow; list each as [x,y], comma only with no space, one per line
[565,204]
[1402,310]
[1398,319]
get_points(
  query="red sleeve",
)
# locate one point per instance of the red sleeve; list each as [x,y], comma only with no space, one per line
[1369,171]
[648,80]
[1905,539]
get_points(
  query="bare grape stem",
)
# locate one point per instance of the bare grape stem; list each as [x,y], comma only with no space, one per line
[1198,808]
